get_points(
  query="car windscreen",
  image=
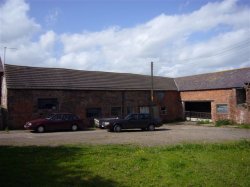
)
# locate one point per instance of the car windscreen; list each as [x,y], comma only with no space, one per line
[49,116]
[131,117]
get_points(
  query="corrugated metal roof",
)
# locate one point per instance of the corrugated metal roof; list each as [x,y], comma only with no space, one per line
[218,80]
[23,77]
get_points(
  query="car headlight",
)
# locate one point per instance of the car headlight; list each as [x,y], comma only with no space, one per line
[29,124]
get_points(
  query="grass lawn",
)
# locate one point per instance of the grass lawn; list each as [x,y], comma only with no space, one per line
[127,165]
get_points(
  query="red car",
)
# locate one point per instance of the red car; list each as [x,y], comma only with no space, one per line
[54,122]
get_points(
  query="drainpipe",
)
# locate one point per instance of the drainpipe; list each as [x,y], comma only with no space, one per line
[123,104]
[152,88]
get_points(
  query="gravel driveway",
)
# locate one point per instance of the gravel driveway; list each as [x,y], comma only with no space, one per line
[167,134]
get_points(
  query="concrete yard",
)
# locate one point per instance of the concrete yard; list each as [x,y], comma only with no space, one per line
[167,134]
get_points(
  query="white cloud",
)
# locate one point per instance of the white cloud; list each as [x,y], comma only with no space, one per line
[47,40]
[168,40]
[40,53]
[16,26]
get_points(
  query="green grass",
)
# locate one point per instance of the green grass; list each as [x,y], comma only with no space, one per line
[243,126]
[226,122]
[126,165]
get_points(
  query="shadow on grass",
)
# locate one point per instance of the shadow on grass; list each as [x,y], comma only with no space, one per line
[48,166]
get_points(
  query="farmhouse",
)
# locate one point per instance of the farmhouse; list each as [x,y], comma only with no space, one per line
[32,92]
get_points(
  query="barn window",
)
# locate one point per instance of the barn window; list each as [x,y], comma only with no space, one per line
[48,103]
[130,110]
[160,95]
[222,108]
[93,112]
[144,109]
[163,110]
[116,111]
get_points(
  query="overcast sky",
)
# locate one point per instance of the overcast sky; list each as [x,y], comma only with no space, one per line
[181,37]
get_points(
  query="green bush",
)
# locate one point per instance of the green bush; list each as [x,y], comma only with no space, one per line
[223,122]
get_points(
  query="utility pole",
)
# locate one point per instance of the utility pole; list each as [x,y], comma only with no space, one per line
[152,88]
[4,54]
[5,125]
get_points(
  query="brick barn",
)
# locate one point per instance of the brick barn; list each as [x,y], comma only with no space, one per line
[33,92]
[215,96]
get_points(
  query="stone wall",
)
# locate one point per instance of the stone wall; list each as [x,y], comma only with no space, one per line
[23,104]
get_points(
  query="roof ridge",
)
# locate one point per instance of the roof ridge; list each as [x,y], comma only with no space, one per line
[79,70]
[19,77]
[209,73]
[218,80]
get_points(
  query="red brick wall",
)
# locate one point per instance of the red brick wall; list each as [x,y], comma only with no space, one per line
[22,104]
[242,115]
[226,96]
[215,96]
[172,102]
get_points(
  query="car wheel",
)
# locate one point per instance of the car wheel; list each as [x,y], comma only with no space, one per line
[151,127]
[74,127]
[110,129]
[40,129]
[117,128]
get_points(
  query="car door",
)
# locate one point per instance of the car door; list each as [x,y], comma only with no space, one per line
[57,122]
[131,123]
[67,121]
[144,120]
[141,121]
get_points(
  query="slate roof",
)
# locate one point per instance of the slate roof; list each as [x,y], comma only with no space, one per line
[218,80]
[23,77]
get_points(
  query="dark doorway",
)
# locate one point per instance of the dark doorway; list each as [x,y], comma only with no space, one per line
[198,106]
[198,109]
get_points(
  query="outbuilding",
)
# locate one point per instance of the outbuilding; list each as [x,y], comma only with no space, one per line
[215,96]
[33,92]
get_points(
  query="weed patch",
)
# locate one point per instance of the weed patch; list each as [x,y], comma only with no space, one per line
[243,126]
[223,122]
[202,122]
[226,122]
